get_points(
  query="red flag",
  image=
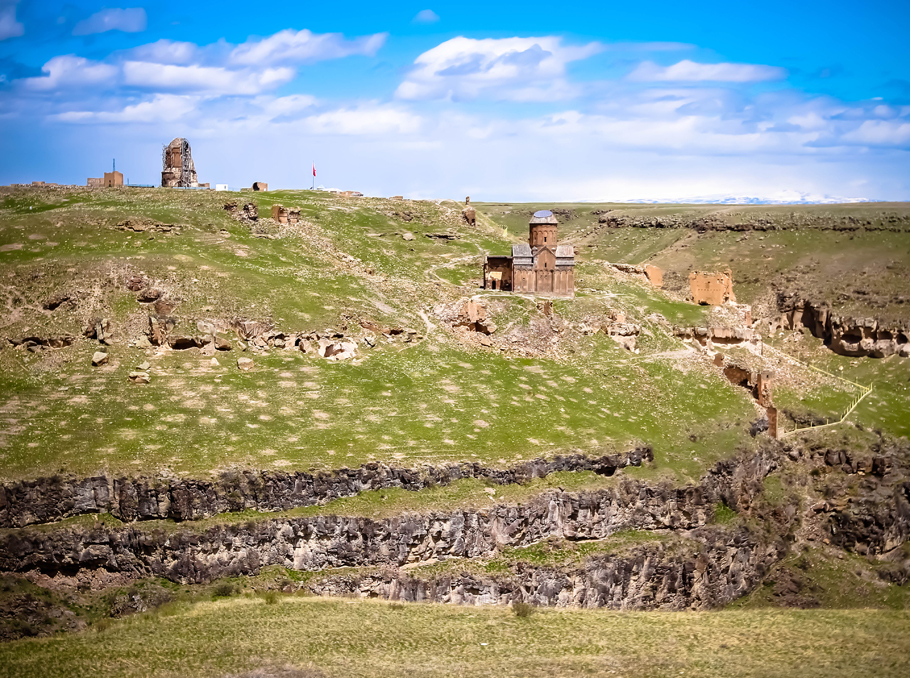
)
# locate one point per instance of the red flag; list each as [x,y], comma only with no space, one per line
[314,169]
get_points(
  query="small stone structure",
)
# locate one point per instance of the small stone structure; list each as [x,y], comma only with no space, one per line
[177,167]
[468,212]
[283,215]
[260,186]
[109,180]
[542,266]
[714,289]
[760,383]
[649,272]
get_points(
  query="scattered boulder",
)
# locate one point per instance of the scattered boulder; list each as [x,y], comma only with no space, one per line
[148,295]
[332,349]
[139,377]
[244,364]
[144,367]
[136,283]
[100,329]
[407,235]
[99,358]
[221,344]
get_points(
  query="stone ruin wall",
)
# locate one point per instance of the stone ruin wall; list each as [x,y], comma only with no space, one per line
[714,289]
[283,215]
[172,173]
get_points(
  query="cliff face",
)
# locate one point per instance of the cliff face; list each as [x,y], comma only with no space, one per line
[720,567]
[700,565]
[149,498]
[845,336]
[339,541]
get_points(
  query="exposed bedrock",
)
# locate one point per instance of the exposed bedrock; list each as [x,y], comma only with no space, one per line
[45,500]
[844,335]
[700,565]
[718,567]
[313,543]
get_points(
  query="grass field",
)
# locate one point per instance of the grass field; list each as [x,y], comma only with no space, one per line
[364,638]
[433,400]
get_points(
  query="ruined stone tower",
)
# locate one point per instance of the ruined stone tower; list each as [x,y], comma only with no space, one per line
[177,168]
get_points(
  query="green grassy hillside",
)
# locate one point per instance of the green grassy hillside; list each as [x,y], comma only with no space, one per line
[308,637]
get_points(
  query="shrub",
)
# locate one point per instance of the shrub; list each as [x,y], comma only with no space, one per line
[723,514]
[223,590]
[522,610]
[271,597]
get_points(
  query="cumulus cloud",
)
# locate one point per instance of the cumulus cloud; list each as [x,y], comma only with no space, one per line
[132,20]
[9,27]
[368,119]
[166,52]
[425,16]
[522,69]
[161,108]
[691,71]
[880,133]
[290,46]
[70,71]
[168,77]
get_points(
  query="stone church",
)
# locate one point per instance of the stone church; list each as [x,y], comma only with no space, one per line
[542,266]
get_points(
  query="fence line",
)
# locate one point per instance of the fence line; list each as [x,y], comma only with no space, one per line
[866,390]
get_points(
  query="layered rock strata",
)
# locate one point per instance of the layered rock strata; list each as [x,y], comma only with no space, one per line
[153,498]
[719,567]
[314,543]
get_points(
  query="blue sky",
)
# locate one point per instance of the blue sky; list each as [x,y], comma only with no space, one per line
[525,101]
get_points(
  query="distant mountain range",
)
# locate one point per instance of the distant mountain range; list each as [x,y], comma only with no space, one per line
[786,198]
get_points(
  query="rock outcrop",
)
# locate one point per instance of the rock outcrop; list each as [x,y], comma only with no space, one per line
[315,543]
[46,500]
[718,567]
[844,335]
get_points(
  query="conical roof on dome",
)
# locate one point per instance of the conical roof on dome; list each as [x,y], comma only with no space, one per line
[543,217]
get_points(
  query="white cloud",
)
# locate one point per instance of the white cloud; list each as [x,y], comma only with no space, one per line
[691,71]
[162,108]
[9,27]
[425,16]
[276,107]
[168,77]
[166,52]
[880,133]
[132,20]
[371,119]
[290,46]
[71,71]
[523,69]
